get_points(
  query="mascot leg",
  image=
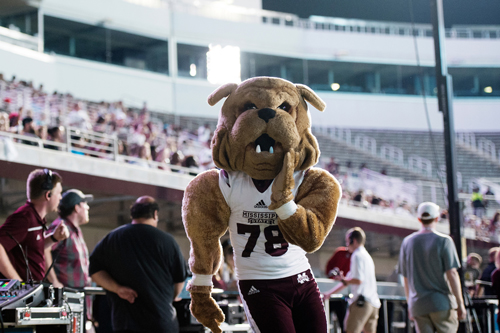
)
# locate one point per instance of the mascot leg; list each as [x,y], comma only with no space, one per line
[284,305]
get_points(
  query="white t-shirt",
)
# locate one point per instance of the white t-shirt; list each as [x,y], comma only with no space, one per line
[260,251]
[363,269]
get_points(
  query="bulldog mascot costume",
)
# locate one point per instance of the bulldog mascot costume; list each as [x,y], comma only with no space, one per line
[276,206]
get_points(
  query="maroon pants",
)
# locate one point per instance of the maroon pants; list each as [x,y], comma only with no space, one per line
[287,305]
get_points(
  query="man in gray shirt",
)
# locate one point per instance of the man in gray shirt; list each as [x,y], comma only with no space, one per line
[428,262]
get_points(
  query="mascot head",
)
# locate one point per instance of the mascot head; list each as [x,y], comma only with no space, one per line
[261,119]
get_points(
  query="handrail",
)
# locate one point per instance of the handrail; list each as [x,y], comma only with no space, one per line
[393,154]
[419,164]
[236,13]
[112,155]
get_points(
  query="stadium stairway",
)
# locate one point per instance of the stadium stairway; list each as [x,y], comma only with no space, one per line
[343,153]
[470,163]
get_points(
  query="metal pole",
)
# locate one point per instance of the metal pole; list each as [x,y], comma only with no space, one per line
[445,104]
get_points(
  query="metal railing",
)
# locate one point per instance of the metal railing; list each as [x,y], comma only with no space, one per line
[95,145]
[221,11]
[18,38]
[392,154]
[484,147]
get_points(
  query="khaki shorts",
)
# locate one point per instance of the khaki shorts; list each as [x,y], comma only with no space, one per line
[441,322]
[360,319]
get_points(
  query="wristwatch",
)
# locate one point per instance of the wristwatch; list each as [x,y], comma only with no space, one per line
[53,238]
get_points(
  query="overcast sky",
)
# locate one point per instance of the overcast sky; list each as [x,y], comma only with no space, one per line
[481,12]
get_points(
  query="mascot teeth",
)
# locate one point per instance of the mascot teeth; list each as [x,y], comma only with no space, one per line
[264,143]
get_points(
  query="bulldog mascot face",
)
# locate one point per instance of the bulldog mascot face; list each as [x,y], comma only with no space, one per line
[261,120]
[265,150]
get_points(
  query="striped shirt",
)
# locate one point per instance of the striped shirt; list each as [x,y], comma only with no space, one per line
[71,257]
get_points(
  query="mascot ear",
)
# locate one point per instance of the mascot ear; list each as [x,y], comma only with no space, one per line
[311,97]
[221,92]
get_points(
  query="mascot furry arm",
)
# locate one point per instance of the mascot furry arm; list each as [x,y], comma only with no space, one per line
[271,113]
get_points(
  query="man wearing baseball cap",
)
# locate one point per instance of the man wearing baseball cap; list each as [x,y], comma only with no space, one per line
[71,257]
[428,260]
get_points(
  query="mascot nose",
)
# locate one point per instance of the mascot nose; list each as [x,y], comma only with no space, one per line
[266,114]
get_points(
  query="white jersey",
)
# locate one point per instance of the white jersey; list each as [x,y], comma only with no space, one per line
[260,251]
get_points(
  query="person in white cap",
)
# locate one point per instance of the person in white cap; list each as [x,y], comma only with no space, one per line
[428,262]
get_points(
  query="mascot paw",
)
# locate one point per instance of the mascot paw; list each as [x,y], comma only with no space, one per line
[206,311]
[284,182]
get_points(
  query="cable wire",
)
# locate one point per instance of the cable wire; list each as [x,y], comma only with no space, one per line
[424,97]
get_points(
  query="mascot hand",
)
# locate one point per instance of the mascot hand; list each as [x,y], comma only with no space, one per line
[206,311]
[284,182]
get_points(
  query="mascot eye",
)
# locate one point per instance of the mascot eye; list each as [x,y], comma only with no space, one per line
[285,106]
[249,106]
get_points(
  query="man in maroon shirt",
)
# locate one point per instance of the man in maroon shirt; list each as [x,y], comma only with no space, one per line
[25,229]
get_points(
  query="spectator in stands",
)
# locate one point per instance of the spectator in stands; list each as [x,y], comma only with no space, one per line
[432,287]
[204,133]
[122,148]
[205,156]
[145,154]
[488,192]
[472,271]
[162,158]
[359,197]
[55,134]
[42,132]
[332,167]
[191,163]
[137,138]
[101,125]
[142,155]
[78,117]
[28,130]
[120,128]
[13,121]
[364,306]
[376,201]
[4,122]
[477,202]
[176,160]
[495,223]
[485,289]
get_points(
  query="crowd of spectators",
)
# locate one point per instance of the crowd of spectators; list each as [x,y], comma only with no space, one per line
[366,198]
[141,137]
[485,228]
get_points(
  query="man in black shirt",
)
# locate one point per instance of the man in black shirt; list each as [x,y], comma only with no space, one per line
[143,270]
